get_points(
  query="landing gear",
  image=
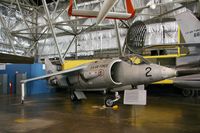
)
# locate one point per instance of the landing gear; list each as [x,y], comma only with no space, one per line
[77,95]
[111,101]
[73,97]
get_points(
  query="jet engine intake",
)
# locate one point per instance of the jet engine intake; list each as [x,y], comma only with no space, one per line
[100,74]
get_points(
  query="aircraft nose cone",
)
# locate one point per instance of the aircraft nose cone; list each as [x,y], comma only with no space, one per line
[168,72]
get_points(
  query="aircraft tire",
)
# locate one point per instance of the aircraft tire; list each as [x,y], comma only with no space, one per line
[109,102]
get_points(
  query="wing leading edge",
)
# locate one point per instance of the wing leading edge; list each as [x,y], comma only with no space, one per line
[76,69]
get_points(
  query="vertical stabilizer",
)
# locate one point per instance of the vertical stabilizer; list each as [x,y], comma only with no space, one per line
[190,26]
[50,68]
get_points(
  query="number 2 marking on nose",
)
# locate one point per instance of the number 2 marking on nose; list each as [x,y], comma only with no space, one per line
[148,69]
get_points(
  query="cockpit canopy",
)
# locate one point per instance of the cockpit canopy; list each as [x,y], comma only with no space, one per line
[135,59]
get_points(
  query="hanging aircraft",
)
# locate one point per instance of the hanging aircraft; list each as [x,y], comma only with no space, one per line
[104,12]
[112,74]
[107,5]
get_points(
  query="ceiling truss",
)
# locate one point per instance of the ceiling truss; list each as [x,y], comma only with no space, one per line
[31,14]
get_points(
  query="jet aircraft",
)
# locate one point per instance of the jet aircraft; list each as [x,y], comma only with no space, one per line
[190,28]
[112,74]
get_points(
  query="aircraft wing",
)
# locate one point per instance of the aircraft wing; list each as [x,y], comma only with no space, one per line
[190,81]
[94,14]
[54,74]
[188,71]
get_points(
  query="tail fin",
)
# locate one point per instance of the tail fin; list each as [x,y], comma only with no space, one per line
[190,26]
[50,68]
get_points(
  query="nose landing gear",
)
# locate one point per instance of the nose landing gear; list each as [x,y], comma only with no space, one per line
[111,101]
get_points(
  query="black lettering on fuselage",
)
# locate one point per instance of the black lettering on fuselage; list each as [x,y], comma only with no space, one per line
[99,66]
[148,69]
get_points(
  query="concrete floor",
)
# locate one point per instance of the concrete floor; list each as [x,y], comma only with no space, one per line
[54,114]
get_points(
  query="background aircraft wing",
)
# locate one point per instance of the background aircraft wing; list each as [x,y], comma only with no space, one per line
[76,69]
[188,82]
[187,71]
[193,77]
